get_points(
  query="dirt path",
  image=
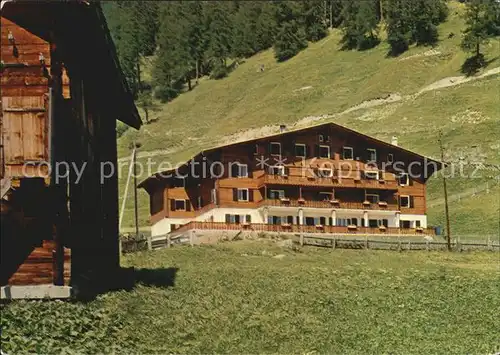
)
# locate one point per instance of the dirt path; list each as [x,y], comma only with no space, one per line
[310,120]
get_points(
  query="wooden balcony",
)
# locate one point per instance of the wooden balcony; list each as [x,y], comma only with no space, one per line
[353,182]
[294,228]
[334,204]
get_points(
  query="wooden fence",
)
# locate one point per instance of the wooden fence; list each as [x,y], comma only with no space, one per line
[401,243]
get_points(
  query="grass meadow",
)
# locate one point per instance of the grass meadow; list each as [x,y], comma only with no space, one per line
[258,297]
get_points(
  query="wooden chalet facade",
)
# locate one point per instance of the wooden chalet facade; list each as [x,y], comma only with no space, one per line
[62,91]
[325,178]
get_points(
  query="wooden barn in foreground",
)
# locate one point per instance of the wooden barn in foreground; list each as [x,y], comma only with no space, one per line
[62,91]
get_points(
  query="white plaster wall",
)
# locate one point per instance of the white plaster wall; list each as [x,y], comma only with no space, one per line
[219,215]
[415,217]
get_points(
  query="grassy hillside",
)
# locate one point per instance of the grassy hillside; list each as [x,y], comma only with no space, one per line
[411,96]
[239,297]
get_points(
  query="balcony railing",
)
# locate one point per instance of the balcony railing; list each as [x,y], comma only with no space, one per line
[329,181]
[295,228]
[329,204]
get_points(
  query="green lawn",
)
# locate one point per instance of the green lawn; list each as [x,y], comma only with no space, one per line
[238,298]
[468,114]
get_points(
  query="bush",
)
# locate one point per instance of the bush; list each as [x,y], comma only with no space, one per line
[121,128]
[166,93]
[219,71]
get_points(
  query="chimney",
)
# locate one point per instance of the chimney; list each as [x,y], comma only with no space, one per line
[394,141]
[282,128]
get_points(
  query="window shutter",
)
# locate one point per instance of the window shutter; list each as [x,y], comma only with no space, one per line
[235,194]
[250,195]
[412,202]
[290,219]
[316,153]
[188,205]
[308,151]
[330,221]
[234,170]
[172,205]
[269,220]
[287,171]
[248,218]
[228,218]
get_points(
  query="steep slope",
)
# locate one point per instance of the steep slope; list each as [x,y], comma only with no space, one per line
[412,96]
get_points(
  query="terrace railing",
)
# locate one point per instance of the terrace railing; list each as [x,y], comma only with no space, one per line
[295,228]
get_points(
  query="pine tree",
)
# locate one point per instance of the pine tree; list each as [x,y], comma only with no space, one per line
[360,24]
[399,25]
[315,20]
[479,23]
[291,37]
[245,36]
[172,60]
[133,25]
[219,35]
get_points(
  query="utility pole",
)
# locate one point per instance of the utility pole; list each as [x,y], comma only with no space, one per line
[446,208]
[136,212]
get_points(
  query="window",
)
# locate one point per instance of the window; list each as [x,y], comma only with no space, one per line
[277,170]
[372,198]
[405,224]
[239,170]
[242,194]
[324,151]
[347,153]
[418,224]
[404,179]
[323,138]
[325,172]
[325,196]
[404,201]
[180,205]
[347,222]
[237,219]
[372,154]
[275,148]
[276,194]
[390,158]
[300,150]
[373,223]
[371,175]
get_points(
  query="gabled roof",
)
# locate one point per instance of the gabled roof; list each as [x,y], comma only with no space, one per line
[338,127]
[83,27]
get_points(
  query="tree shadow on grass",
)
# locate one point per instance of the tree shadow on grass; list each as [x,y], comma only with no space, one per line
[473,64]
[125,279]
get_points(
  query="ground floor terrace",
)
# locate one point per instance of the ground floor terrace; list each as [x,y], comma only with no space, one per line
[275,215]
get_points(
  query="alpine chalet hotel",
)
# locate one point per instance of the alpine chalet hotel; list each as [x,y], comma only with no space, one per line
[322,179]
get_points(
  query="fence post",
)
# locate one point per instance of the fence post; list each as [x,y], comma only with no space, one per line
[169,241]
[191,239]
[490,247]
[301,239]
[399,243]
[334,243]
[366,242]
[150,243]
[409,245]
[427,245]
